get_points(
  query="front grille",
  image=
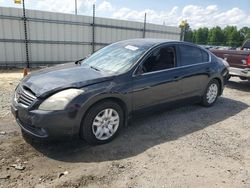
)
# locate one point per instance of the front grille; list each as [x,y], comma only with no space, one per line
[24,96]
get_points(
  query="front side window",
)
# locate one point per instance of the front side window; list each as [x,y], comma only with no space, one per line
[190,55]
[116,58]
[160,59]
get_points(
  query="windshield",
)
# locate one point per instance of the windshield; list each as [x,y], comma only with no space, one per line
[115,58]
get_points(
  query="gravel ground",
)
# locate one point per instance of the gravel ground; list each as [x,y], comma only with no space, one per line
[189,146]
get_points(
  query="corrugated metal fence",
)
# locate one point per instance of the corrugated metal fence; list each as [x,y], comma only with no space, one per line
[57,38]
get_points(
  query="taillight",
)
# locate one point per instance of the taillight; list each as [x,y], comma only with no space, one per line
[248,61]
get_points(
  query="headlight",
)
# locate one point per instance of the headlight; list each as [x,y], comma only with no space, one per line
[60,100]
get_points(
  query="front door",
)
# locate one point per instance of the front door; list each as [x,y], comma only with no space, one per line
[157,79]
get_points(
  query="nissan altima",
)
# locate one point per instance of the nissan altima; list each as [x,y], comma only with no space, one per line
[94,98]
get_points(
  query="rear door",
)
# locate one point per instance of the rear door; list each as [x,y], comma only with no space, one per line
[196,69]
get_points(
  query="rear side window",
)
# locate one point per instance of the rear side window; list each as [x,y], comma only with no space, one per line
[205,56]
[190,55]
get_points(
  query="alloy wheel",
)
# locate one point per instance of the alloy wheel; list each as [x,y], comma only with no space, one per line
[212,93]
[105,124]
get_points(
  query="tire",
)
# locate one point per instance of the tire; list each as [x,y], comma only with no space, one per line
[102,117]
[208,99]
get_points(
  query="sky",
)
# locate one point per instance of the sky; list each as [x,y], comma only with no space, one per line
[198,13]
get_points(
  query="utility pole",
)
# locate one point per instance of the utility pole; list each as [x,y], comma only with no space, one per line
[75,7]
[144,26]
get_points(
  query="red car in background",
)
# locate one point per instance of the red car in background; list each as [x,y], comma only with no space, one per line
[239,60]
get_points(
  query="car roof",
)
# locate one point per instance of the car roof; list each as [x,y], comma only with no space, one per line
[149,42]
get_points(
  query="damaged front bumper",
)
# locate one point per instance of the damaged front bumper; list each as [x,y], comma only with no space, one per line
[44,124]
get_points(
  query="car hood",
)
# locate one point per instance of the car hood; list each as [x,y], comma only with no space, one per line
[70,75]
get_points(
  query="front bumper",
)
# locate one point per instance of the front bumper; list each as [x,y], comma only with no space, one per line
[240,72]
[44,124]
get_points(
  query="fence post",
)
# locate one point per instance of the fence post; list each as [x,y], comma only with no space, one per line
[144,26]
[93,30]
[26,36]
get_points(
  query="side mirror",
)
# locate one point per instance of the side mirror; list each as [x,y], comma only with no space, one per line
[139,71]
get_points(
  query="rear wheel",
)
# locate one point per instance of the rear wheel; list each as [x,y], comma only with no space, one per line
[102,123]
[211,94]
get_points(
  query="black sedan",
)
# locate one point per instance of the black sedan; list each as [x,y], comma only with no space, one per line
[95,97]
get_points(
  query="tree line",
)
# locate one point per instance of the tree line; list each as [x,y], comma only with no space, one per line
[229,36]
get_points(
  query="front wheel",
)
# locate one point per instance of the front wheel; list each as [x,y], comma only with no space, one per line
[102,123]
[211,94]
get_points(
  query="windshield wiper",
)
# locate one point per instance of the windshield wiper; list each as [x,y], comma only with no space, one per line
[95,68]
